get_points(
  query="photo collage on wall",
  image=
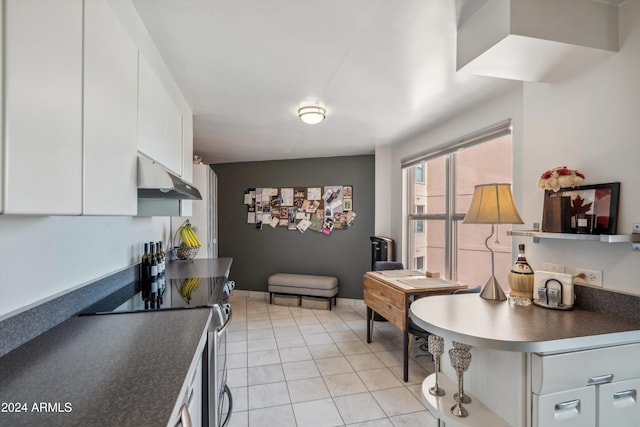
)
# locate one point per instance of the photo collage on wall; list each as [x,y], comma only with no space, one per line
[320,209]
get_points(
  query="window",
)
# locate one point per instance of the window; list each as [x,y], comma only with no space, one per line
[437,205]
[419,223]
[419,173]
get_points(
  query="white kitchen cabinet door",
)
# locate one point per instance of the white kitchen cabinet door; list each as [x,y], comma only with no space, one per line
[110,114]
[159,121]
[571,408]
[618,404]
[43,107]
[173,137]
[150,113]
[186,206]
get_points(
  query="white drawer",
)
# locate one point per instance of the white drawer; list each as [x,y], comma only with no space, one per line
[571,408]
[556,372]
[618,403]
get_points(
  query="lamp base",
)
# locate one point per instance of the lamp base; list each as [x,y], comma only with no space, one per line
[493,291]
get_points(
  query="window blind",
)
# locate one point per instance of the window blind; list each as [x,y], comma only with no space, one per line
[491,132]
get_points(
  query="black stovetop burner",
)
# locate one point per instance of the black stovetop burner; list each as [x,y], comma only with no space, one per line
[166,295]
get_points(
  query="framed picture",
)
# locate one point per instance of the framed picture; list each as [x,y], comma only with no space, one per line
[593,208]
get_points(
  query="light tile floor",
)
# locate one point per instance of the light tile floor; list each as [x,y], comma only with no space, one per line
[291,366]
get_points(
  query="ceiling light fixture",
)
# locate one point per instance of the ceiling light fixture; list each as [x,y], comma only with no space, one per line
[312,114]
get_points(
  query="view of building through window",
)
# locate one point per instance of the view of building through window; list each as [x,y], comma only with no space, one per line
[439,191]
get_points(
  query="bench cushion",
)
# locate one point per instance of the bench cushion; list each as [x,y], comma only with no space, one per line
[303,281]
[303,284]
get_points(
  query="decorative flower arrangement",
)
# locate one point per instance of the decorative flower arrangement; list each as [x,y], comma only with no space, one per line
[560,177]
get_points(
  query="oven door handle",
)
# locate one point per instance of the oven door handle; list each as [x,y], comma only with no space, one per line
[227,391]
[222,329]
[185,417]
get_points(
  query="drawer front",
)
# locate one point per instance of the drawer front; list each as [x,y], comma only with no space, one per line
[557,372]
[618,404]
[571,408]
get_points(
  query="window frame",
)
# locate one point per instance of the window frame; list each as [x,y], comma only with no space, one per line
[451,219]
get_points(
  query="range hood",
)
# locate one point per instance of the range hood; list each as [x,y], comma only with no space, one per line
[155,182]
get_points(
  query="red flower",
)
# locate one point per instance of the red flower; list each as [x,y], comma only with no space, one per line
[546,175]
[564,171]
[580,175]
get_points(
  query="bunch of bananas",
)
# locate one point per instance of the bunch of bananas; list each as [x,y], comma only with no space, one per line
[187,287]
[189,237]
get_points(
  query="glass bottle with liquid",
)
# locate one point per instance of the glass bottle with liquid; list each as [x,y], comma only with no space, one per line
[521,277]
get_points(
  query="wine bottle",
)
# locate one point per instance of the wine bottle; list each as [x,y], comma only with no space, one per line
[145,265]
[161,260]
[161,270]
[521,276]
[154,276]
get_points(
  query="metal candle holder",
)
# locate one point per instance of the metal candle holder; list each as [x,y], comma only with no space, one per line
[460,361]
[464,347]
[436,348]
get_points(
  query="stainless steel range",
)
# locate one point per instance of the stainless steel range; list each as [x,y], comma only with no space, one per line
[196,283]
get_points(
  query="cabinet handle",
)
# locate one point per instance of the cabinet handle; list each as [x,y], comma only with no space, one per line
[625,394]
[185,417]
[569,404]
[600,379]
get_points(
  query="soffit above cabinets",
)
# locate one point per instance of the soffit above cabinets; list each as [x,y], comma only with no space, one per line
[536,40]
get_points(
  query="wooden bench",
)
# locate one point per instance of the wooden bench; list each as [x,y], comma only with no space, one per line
[303,284]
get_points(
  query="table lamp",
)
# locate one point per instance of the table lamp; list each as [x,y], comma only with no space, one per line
[492,204]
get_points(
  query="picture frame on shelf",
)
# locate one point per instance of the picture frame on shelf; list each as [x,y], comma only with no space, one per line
[593,209]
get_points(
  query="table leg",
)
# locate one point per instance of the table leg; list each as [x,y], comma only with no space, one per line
[406,354]
[369,319]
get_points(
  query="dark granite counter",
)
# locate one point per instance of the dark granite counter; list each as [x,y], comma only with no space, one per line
[120,369]
[503,326]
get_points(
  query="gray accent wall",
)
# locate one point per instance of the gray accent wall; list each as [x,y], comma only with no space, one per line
[345,254]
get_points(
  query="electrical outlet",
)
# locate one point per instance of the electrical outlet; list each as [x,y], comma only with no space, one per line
[591,277]
[555,268]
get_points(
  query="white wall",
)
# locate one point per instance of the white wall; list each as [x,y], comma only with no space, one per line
[592,123]
[383,190]
[589,122]
[44,256]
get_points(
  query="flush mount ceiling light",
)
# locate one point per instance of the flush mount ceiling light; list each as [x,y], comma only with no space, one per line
[312,114]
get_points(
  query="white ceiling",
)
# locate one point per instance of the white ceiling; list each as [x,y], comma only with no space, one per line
[384,69]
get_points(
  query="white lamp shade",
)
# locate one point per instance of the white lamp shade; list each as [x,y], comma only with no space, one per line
[312,115]
[492,204]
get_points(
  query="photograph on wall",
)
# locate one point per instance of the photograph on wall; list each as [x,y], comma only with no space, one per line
[303,225]
[299,196]
[327,226]
[346,205]
[317,220]
[332,198]
[313,206]
[291,225]
[314,193]
[250,202]
[286,197]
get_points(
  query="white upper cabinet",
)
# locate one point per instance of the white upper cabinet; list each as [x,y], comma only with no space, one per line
[43,107]
[110,113]
[159,120]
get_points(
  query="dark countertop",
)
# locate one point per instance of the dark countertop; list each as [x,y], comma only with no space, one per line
[503,326]
[199,267]
[119,369]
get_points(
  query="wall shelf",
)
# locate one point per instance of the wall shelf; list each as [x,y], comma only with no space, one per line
[604,238]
